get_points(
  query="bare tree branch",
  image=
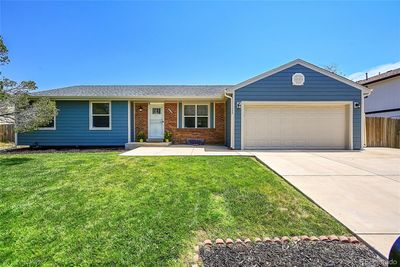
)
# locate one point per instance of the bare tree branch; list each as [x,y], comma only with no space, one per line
[334,69]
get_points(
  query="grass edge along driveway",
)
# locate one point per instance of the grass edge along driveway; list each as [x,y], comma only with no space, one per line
[104,209]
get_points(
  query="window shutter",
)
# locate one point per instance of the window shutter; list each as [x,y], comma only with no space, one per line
[212,123]
[180,115]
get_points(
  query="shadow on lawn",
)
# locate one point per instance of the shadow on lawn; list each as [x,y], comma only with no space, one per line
[13,161]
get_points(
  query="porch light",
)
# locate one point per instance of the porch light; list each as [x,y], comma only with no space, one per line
[238,105]
[140,108]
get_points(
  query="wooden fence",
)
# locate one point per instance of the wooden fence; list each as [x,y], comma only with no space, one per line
[383,132]
[7,133]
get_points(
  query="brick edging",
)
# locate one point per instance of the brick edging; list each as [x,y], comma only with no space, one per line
[247,241]
[196,262]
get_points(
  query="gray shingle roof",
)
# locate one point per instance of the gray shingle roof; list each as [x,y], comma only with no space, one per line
[380,77]
[167,91]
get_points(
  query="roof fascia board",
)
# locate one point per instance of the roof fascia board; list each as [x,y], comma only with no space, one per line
[380,80]
[127,98]
[307,65]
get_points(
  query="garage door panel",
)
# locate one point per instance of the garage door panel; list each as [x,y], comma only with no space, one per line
[295,127]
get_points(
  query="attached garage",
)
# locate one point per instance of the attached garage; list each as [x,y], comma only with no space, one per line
[324,125]
[298,106]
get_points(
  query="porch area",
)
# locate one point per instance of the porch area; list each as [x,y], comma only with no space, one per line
[185,150]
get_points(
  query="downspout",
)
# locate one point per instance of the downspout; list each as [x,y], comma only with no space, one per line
[15,139]
[129,121]
[364,120]
[232,117]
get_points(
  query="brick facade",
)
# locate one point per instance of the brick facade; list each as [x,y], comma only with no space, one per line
[141,119]
[170,117]
[180,135]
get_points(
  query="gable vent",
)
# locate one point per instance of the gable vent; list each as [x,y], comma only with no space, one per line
[298,79]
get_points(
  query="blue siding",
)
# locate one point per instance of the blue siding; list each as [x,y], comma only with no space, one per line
[317,87]
[228,122]
[72,127]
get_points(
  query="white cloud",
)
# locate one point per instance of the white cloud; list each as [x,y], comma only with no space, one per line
[374,71]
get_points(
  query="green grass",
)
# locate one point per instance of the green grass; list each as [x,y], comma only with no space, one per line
[105,209]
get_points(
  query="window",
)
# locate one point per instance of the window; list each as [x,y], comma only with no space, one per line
[195,116]
[50,126]
[100,116]
[156,111]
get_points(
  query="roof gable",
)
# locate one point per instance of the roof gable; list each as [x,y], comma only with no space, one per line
[303,63]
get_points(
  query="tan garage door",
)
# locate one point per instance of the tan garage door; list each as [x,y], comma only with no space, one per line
[296,127]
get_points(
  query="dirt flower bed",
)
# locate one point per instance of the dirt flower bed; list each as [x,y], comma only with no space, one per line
[29,150]
[300,253]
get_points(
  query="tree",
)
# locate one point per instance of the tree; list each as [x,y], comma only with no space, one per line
[18,106]
[334,69]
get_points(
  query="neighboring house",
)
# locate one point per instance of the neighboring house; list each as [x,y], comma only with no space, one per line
[385,99]
[295,106]
[7,119]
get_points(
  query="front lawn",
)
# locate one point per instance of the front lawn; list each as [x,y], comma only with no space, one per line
[105,209]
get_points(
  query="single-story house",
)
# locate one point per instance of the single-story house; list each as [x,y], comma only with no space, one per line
[385,101]
[295,106]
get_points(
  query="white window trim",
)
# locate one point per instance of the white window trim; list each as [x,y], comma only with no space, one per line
[91,116]
[195,116]
[49,128]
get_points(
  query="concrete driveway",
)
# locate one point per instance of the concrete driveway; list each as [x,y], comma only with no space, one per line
[360,189]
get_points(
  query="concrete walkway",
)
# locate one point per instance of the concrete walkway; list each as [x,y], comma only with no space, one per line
[360,189]
[186,150]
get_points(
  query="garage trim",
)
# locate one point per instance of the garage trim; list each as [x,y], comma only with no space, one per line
[278,103]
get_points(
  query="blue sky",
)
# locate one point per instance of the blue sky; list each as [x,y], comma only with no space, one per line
[191,42]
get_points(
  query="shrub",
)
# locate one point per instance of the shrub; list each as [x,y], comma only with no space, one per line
[168,136]
[140,135]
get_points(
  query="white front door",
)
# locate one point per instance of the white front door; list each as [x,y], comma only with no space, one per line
[156,121]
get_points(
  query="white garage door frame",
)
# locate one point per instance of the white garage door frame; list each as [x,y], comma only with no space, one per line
[305,103]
